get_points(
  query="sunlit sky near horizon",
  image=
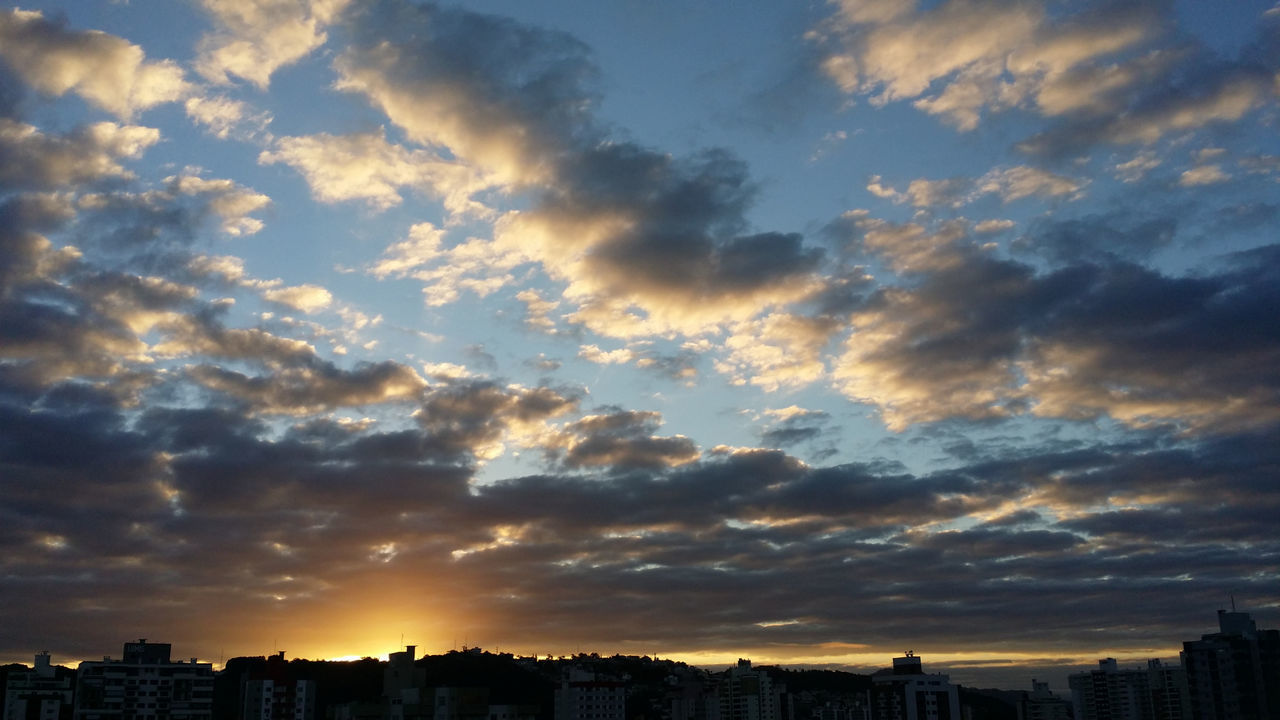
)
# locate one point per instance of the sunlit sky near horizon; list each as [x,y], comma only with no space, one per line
[807,332]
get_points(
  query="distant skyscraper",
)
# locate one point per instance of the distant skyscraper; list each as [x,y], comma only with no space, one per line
[907,693]
[144,685]
[1234,674]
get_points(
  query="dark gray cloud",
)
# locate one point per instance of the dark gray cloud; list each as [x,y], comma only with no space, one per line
[624,440]
[314,387]
[1098,238]
[748,537]
[979,336]
[1198,90]
[797,427]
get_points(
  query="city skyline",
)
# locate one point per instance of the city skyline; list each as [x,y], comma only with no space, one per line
[800,332]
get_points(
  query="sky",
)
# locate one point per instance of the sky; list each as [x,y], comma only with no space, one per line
[806,332]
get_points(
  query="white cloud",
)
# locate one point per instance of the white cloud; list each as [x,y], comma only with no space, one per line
[257,37]
[1015,183]
[225,117]
[1203,175]
[593,353]
[418,250]
[366,167]
[306,298]
[1009,183]
[1137,167]
[106,70]
[961,57]
[993,226]
[229,201]
[228,267]
[33,159]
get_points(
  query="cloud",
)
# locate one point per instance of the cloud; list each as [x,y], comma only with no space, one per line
[501,96]
[1128,374]
[228,200]
[592,353]
[1099,237]
[1181,105]
[254,38]
[479,417]
[678,366]
[745,532]
[366,167]
[314,387]
[470,265]
[159,222]
[993,226]
[195,335]
[106,70]
[32,160]
[623,440]
[418,250]
[1008,183]
[645,243]
[794,426]
[306,298]
[962,58]
[777,351]
[1135,168]
[225,117]
[980,337]
[1211,174]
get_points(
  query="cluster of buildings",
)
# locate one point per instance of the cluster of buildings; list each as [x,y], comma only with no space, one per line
[144,684]
[406,695]
[1233,674]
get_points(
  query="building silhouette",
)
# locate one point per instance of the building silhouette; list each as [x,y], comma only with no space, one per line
[1170,699]
[144,685]
[404,687]
[1234,674]
[1156,692]
[41,693]
[905,692]
[1042,704]
[750,694]
[582,695]
[272,693]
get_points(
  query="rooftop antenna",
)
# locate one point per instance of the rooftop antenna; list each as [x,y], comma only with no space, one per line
[1232,595]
